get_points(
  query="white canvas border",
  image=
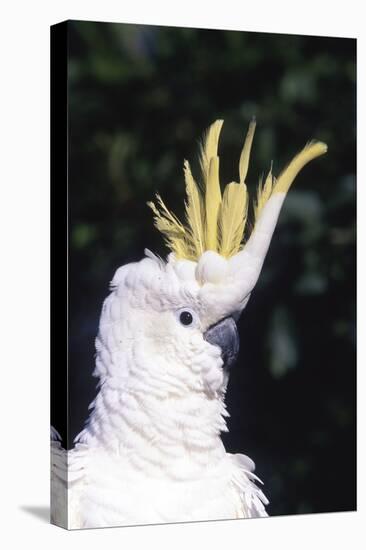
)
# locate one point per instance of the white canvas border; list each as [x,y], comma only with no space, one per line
[25,270]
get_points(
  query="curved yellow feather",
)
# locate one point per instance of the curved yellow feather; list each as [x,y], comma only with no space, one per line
[218,223]
[212,204]
[311,151]
[194,211]
[245,154]
[263,193]
[209,148]
[232,218]
[169,225]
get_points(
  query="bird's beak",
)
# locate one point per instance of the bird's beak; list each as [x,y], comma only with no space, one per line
[225,335]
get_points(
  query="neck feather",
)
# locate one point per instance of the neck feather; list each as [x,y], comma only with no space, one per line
[160,432]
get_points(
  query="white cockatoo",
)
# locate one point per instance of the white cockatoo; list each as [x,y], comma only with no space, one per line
[151,450]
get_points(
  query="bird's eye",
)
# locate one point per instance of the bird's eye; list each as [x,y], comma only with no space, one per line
[186,318]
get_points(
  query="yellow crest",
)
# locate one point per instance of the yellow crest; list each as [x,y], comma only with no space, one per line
[216,221]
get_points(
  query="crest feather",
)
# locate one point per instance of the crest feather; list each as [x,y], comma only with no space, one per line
[218,223]
[245,154]
[311,150]
[169,225]
[283,183]
[209,148]
[212,204]
[233,217]
[263,192]
[194,211]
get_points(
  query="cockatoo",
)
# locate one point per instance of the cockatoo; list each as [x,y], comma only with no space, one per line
[151,450]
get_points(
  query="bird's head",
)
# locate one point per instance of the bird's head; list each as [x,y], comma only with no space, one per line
[169,327]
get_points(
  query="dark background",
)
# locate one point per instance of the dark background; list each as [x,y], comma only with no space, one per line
[139,100]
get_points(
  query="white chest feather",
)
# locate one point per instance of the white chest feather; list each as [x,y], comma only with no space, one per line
[174,470]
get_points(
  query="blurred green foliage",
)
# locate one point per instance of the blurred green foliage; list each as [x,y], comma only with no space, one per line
[139,100]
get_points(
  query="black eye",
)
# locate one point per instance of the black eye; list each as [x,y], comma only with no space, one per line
[186,318]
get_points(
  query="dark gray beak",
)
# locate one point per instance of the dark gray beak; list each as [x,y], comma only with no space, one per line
[225,335]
